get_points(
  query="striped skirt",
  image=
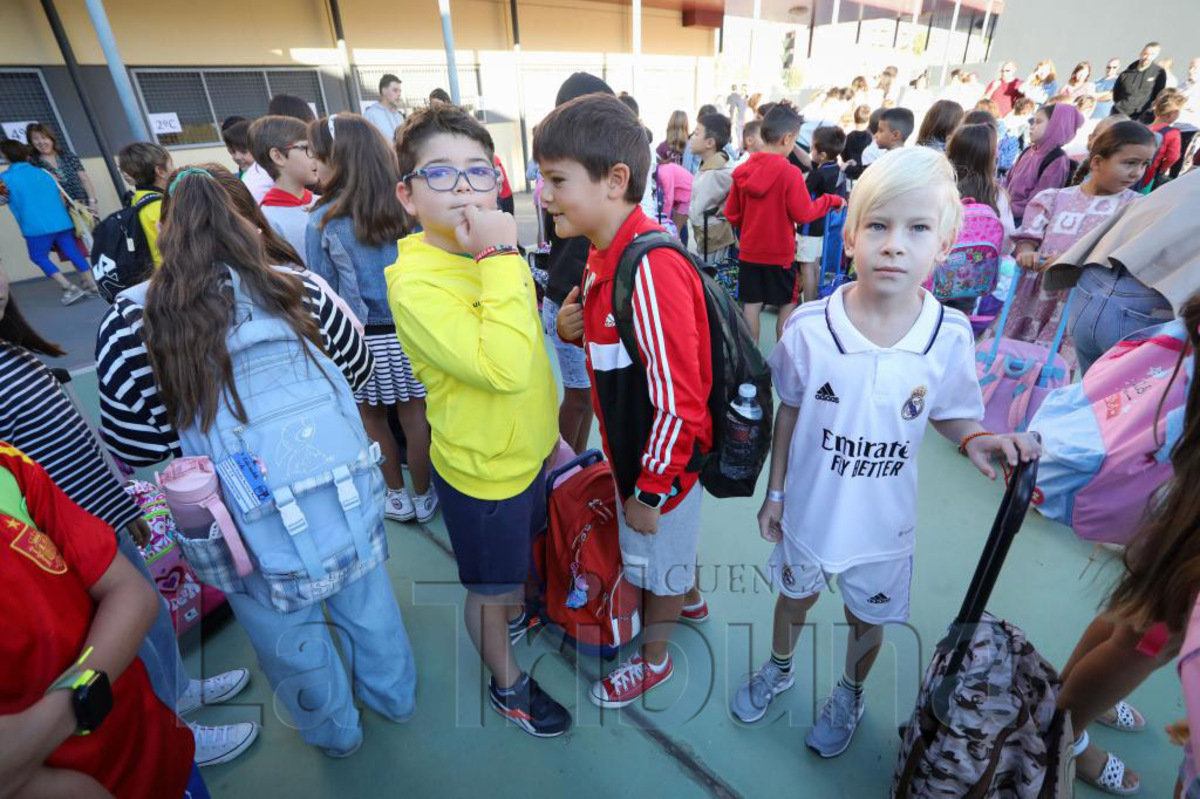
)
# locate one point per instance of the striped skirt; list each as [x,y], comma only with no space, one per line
[393,380]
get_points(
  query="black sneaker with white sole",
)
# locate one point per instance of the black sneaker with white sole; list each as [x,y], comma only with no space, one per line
[531,709]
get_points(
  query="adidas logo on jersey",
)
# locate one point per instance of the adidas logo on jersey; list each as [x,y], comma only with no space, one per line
[825,394]
[610,321]
[880,599]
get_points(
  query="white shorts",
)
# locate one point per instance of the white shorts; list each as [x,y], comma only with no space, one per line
[808,249]
[876,593]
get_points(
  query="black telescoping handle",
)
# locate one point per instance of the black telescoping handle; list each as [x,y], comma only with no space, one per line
[1009,519]
[62,375]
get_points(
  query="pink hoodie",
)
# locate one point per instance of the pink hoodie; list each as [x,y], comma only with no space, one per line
[1023,181]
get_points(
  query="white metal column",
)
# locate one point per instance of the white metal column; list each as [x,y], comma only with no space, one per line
[949,38]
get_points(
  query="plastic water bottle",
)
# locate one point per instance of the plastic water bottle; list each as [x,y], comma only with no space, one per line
[743,433]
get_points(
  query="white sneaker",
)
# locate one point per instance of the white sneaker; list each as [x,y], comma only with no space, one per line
[73,295]
[399,506]
[213,691]
[216,745]
[427,505]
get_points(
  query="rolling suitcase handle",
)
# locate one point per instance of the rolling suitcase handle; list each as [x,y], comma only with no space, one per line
[1009,519]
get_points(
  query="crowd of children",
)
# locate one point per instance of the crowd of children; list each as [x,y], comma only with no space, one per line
[388,282]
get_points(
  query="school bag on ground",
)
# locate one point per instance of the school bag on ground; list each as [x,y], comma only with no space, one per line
[578,586]
[120,252]
[736,360]
[299,478]
[985,723]
[187,599]
[972,267]
[1107,440]
[1016,376]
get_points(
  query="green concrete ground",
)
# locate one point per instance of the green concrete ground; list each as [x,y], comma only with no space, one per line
[684,742]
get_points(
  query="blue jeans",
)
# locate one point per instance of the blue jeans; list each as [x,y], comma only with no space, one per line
[160,651]
[1109,305]
[297,653]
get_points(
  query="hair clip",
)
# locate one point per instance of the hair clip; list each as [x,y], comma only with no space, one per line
[332,135]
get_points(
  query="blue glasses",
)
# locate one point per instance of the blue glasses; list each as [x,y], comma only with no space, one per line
[446,178]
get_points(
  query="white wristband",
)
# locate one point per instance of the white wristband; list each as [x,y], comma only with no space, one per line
[775,496]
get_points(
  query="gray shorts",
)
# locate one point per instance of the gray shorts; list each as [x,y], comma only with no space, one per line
[572,363]
[664,563]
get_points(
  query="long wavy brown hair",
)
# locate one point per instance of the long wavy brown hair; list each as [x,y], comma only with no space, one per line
[1162,564]
[972,153]
[277,249]
[189,305]
[363,185]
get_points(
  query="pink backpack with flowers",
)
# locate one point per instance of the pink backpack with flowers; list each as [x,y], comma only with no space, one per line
[972,267]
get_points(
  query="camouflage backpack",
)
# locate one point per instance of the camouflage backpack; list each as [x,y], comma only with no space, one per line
[999,735]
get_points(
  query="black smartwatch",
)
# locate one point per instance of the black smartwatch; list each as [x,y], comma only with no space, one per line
[648,499]
[91,694]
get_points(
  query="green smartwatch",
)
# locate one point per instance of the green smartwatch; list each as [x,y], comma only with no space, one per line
[91,694]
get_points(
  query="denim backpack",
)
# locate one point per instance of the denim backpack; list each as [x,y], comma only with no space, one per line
[313,520]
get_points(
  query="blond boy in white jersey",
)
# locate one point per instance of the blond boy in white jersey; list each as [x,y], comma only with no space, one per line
[864,372]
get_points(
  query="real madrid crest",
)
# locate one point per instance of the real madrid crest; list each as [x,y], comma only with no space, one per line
[915,404]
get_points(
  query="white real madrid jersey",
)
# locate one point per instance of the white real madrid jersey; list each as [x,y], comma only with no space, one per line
[851,491]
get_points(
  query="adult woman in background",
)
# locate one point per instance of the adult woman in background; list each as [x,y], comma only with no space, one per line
[65,165]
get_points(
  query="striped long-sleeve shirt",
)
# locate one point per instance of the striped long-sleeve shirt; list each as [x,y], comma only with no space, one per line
[38,418]
[133,417]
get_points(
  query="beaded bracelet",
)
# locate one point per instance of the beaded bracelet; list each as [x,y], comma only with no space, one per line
[962,445]
[488,252]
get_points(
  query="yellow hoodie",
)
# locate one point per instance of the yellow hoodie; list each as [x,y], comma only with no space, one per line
[474,338]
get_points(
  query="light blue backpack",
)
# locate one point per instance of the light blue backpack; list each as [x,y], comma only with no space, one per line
[317,524]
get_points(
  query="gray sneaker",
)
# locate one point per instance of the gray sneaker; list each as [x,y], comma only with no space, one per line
[750,702]
[837,723]
[72,295]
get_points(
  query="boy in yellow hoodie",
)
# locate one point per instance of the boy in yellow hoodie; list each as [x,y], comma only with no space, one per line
[466,315]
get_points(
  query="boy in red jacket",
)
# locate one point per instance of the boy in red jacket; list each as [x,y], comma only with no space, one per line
[652,404]
[767,201]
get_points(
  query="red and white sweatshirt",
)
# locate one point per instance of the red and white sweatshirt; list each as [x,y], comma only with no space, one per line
[652,418]
[768,199]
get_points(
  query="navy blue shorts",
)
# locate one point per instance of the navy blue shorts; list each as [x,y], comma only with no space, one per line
[492,539]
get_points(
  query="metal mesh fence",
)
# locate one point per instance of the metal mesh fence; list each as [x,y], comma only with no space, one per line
[183,94]
[202,99]
[304,83]
[24,98]
[242,94]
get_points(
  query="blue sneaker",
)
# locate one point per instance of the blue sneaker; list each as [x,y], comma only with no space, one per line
[752,698]
[836,725]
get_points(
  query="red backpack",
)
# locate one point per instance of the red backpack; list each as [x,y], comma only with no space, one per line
[579,577]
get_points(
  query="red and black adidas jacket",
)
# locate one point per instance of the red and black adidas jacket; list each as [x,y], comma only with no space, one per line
[649,441]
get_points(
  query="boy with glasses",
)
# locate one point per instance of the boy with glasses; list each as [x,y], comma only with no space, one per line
[280,145]
[466,313]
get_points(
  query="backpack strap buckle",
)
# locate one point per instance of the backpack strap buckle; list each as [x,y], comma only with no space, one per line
[296,525]
[347,493]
